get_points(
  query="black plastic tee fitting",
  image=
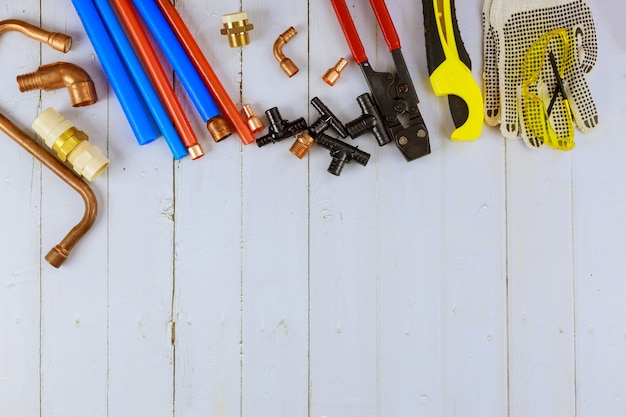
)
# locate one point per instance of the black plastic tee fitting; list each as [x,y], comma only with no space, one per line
[327,119]
[280,128]
[370,121]
[342,153]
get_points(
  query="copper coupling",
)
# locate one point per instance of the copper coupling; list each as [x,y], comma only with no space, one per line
[286,64]
[255,124]
[236,27]
[331,76]
[61,74]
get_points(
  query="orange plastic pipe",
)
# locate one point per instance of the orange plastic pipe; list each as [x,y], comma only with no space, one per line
[161,82]
[209,77]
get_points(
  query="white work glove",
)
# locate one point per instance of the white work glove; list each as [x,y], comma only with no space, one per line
[518,38]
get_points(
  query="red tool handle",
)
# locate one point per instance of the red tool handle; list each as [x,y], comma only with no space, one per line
[386,24]
[349,30]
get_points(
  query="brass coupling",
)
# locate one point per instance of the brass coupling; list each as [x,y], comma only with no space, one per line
[219,128]
[70,144]
[236,27]
[61,74]
[286,64]
[331,76]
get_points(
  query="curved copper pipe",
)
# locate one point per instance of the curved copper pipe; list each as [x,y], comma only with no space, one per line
[59,253]
[61,74]
[58,41]
[286,64]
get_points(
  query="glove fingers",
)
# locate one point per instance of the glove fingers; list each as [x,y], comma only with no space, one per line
[490,68]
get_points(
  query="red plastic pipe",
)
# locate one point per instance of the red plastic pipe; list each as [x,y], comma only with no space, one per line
[162,83]
[209,77]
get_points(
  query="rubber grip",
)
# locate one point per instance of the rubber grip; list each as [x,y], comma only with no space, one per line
[349,30]
[386,24]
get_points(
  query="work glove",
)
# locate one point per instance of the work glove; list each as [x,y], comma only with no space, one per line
[537,54]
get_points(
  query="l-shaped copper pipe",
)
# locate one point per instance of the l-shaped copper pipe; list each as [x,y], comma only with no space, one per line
[286,64]
[61,74]
[59,253]
[58,41]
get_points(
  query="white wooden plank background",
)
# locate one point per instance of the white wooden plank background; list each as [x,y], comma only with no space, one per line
[484,279]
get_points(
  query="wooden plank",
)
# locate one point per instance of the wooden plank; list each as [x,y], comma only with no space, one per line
[599,230]
[274,223]
[473,250]
[20,230]
[344,237]
[207,300]
[74,297]
[540,281]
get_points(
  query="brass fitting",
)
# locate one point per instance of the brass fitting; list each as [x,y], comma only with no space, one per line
[236,27]
[70,144]
[219,128]
[331,76]
[57,41]
[286,64]
[252,119]
[61,74]
[59,253]
[303,144]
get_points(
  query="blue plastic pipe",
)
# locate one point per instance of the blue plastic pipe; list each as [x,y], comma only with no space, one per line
[184,68]
[135,108]
[143,82]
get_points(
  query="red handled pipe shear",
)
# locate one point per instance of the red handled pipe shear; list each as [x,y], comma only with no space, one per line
[394,94]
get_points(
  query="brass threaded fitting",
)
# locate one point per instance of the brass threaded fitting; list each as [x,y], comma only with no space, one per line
[254,122]
[331,76]
[236,27]
[303,144]
[286,64]
[219,128]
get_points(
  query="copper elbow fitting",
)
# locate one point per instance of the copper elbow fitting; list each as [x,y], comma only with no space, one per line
[59,253]
[236,27]
[286,64]
[331,76]
[57,41]
[61,74]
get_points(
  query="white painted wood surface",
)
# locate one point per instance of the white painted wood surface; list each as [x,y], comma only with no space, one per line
[483,280]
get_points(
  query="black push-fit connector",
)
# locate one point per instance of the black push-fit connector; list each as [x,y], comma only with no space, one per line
[279,128]
[327,119]
[342,153]
[370,121]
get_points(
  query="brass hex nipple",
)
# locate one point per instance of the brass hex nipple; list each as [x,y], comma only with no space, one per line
[286,64]
[70,144]
[57,41]
[252,119]
[303,144]
[236,27]
[61,74]
[219,128]
[331,76]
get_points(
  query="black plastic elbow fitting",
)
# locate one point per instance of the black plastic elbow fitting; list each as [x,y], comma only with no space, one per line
[327,119]
[370,121]
[280,128]
[342,153]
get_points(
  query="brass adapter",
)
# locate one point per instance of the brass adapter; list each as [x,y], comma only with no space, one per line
[219,128]
[286,64]
[303,144]
[61,74]
[70,144]
[331,76]
[236,27]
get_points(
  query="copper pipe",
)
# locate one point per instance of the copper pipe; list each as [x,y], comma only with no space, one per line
[61,74]
[286,64]
[58,41]
[59,253]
